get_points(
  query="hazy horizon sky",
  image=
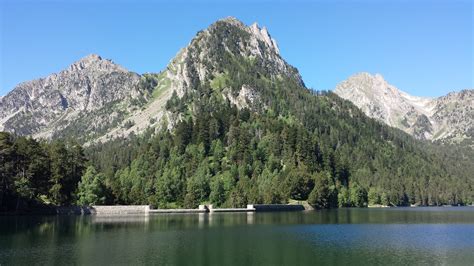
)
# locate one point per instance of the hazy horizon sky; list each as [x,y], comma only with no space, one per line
[422,47]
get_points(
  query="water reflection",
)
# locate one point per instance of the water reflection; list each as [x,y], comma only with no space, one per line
[47,225]
[347,236]
[123,219]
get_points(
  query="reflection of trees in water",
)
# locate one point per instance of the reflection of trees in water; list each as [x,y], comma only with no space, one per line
[124,219]
[24,228]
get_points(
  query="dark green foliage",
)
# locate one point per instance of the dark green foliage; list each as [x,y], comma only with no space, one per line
[35,172]
[7,165]
[218,194]
[31,168]
[290,142]
[299,183]
[343,199]
[67,167]
[358,195]
[198,189]
[128,124]
[251,157]
[239,197]
[274,150]
[373,196]
[91,189]
[320,195]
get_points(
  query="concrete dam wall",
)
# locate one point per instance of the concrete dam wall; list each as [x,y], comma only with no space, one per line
[120,209]
[103,209]
[146,209]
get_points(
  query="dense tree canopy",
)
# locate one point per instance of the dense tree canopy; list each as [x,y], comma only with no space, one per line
[252,157]
[38,172]
[287,142]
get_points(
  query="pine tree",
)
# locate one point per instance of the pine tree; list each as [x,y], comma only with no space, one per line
[91,188]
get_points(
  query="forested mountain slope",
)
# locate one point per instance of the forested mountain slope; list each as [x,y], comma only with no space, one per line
[247,130]
[239,126]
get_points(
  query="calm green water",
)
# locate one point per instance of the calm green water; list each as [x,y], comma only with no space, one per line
[401,236]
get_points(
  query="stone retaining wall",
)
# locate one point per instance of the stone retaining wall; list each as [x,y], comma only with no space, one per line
[146,209]
[120,209]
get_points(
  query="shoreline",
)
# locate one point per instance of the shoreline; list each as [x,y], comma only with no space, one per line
[147,209]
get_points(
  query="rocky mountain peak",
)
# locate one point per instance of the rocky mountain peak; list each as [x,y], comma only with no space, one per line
[47,105]
[445,118]
[91,58]
[212,59]
[461,95]
[231,20]
[97,99]
[94,62]
[262,34]
[255,33]
[227,41]
[368,82]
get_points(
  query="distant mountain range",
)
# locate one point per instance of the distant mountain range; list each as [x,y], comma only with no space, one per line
[95,99]
[229,121]
[448,118]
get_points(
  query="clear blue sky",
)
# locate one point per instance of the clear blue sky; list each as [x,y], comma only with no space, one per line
[422,47]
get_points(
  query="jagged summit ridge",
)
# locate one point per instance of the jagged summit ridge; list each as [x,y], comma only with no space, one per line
[94,62]
[85,86]
[260,33]
[232,20]
[257,32]
[446,118]
[263,35]
[200,63]
[85,62]
[95,98]
[228,35]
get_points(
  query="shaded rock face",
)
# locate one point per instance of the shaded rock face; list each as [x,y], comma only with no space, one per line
[95,99]
[448,118]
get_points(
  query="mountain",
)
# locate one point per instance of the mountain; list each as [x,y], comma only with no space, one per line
[446,119]
[97,100]
[228,121]
[86,99]
[246,129]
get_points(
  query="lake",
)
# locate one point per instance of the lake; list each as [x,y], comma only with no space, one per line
[387,236]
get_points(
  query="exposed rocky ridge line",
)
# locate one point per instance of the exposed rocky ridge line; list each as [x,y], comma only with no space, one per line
[197,64]
[86,86]
[95,99]
[447,118]
[198,61]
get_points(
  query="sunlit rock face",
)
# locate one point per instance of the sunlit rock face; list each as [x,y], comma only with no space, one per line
[95,99]
[448,118]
